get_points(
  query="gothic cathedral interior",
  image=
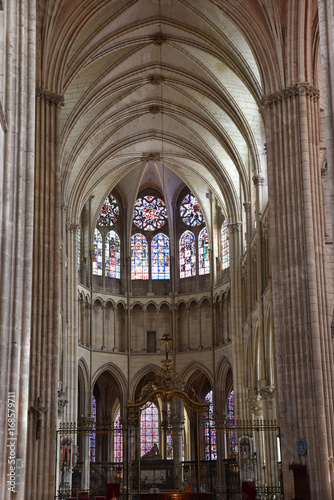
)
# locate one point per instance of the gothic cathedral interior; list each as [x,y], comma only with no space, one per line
[167,261]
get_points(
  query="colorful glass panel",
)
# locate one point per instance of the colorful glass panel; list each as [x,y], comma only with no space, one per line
[112,255]
[225,246]
[190,211]
[210,437]
[187,249]
[109,212]
[92,431]
[139,257]
[203,252]
[150,213]
[169,434]
[230,417]
[160,257]
[149,429]
[97,256]
[79,249]
[118,439]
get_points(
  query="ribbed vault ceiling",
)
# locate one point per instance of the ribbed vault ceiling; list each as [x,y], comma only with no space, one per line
[150,83]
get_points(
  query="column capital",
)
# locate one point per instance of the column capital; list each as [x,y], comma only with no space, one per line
[258,180]
[298,89]
[234,227]
[247,206]
[71,227]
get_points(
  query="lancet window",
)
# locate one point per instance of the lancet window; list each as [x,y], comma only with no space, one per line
[160,257]
[225,247]
[92,431]
[139,257]
[203,252]
[112,255]
[97,256]
[210,436]
[149,429]
[187,249]
[118,439]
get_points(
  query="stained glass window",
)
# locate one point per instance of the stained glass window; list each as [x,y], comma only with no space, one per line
[160,257]
[169,434]
[225,246]
[203,252]
[92,431]
[230,417]
[149,429]
[118,439]
[79,249]
[190,211]
[109,212]
[150,213]
[97,256]
[187,255]
[113,255]
[139,257]
[210,437]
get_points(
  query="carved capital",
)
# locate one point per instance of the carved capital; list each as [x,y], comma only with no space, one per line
[258,180]
[298,89]
[255,401]
[247,206]
[50,98]
[234,227]
[72,228]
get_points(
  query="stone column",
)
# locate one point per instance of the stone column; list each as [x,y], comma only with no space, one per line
[304,350]
[103,309]
[85,424]
[71,341]
[45,336]
[17,128]
[236,324]
[115,347]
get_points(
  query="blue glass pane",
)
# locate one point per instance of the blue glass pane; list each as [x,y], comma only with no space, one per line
[118,439]
[210,437]
[160,257]
[149,429]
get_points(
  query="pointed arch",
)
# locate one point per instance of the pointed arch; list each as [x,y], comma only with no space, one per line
[187,255]
[139,257]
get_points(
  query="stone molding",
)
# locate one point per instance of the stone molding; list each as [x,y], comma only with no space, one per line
[51,98]
[155,79]
[154,110]
[298,89]
[159,39]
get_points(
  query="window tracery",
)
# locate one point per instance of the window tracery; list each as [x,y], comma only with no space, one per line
[109,212]
[190,211]
[150,213]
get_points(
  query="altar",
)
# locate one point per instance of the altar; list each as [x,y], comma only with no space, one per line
[165,495]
